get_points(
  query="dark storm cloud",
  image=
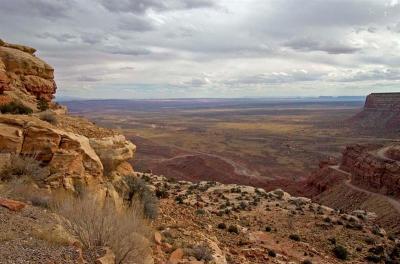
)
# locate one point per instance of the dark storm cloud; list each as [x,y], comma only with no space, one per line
[47,9]
[141,6]
[210,45]
[331,47]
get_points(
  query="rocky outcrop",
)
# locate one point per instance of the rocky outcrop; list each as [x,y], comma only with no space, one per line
[381,114]
[371,168]
[24,76]
[113,151]
[72,159]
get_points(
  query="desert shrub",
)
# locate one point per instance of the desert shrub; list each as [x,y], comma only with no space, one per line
[268,229]
[306,261]
[179,199]
[138,190]
[97,224]
[373,258]
[294,237]
[271,253]
[200,212]
[221,226]
[378,250]
[162,193]
[340,252]
[42,104]
[233,229]
[15,108]
[200,252]
[40,201]
[20,166]
[49,117]
[332,240]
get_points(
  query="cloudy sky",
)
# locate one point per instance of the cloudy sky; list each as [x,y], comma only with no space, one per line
[211,48]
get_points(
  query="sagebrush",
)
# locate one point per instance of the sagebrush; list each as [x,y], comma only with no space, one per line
[124,230]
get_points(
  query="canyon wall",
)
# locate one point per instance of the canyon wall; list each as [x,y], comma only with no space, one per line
[381,114]
[372,169]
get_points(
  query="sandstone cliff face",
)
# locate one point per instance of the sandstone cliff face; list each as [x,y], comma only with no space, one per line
[24,76]
[371,168]
[74,150]
[72,159]
[381,113]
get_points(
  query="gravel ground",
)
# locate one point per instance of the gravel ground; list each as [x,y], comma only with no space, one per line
[27,237]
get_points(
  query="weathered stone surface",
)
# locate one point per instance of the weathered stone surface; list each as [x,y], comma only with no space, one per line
[11,138]
[22,71]
[176,256]
[113,152]
[11,204]
[68,155]
[117,147]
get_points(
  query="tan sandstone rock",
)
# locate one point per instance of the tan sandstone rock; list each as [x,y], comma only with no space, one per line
[21,70]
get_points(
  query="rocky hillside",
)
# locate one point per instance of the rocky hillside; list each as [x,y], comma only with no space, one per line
[69,195]
[240,224]
[381,114]
[366,177]
[372,167]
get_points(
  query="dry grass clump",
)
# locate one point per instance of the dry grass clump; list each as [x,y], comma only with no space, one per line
[200,252]
[49,117]
[20,166]
[125,231]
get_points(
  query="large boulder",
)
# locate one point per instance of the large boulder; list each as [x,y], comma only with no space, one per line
[113,152]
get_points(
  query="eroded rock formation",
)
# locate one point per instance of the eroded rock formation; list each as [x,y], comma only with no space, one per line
[23,75]
[381,114]
[371,168]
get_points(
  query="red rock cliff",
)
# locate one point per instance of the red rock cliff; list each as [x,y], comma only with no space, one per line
[372,168]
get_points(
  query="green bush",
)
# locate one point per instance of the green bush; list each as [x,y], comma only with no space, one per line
[137,188]
[15,108]
[340,252]
[42,105]
[233,229]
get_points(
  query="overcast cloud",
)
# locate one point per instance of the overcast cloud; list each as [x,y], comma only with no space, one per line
[211,48]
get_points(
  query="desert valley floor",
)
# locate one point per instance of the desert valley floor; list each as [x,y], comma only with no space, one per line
[260,142]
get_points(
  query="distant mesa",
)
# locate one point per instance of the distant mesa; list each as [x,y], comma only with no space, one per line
[381,113]
[23,76]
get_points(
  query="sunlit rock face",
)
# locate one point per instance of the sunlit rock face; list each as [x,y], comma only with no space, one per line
[24,73]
